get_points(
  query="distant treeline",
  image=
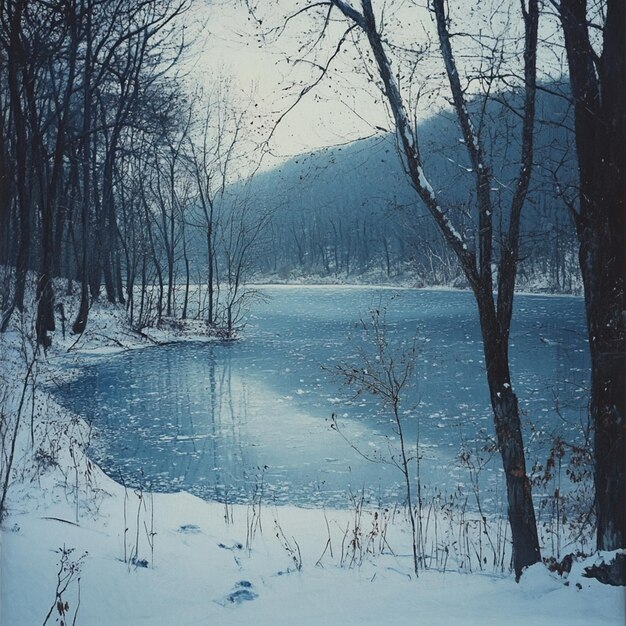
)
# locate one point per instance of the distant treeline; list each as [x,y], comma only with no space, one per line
[350,212]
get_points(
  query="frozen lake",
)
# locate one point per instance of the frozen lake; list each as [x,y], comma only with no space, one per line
[222,420]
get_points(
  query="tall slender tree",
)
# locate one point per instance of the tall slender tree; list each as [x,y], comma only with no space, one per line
[494,311]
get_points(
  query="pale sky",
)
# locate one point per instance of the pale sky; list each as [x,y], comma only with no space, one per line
[268,78]
[267,72]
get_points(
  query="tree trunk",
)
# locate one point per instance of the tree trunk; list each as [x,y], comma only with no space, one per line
[187,276]
[210,278]
[80,323]
[602,266]
[600,120]
[119,283]
[45,291]
[23,252]
[521,512]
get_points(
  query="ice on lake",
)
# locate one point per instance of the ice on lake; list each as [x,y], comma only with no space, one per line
[226,421]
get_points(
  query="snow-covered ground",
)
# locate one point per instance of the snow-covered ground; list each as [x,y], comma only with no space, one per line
[201,572]
[78,543]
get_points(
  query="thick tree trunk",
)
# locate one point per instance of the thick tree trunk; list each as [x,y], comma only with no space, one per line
[607,410]
[600,119]
[602,265]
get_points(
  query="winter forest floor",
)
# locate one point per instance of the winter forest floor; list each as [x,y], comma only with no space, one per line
[77,546]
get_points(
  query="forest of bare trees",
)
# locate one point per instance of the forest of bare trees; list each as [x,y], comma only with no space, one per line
[120,182]
[102,159]
[114,176]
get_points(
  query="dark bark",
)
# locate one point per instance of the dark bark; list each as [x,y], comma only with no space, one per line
[7,250]
[14,65]
[95,242]
[210,277]
[50,189]
[142,299]
[60,220]
[107,224]
[119,283]
[600,120]
[156,263]
[80,323]
[611,573]
[187,273]
[521,512]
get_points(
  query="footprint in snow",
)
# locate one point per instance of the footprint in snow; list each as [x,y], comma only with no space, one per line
[243,591]
[189,529]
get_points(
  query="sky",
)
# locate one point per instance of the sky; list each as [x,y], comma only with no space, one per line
[269,66]
[266,79]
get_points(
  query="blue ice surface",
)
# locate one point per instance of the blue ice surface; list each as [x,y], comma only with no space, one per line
[251,419]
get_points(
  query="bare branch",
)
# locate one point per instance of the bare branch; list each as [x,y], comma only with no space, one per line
[308,88]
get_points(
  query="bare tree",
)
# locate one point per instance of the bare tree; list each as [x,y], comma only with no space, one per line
[386,371]
[494,311]
[241,229]
[169,192]
[211,156]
